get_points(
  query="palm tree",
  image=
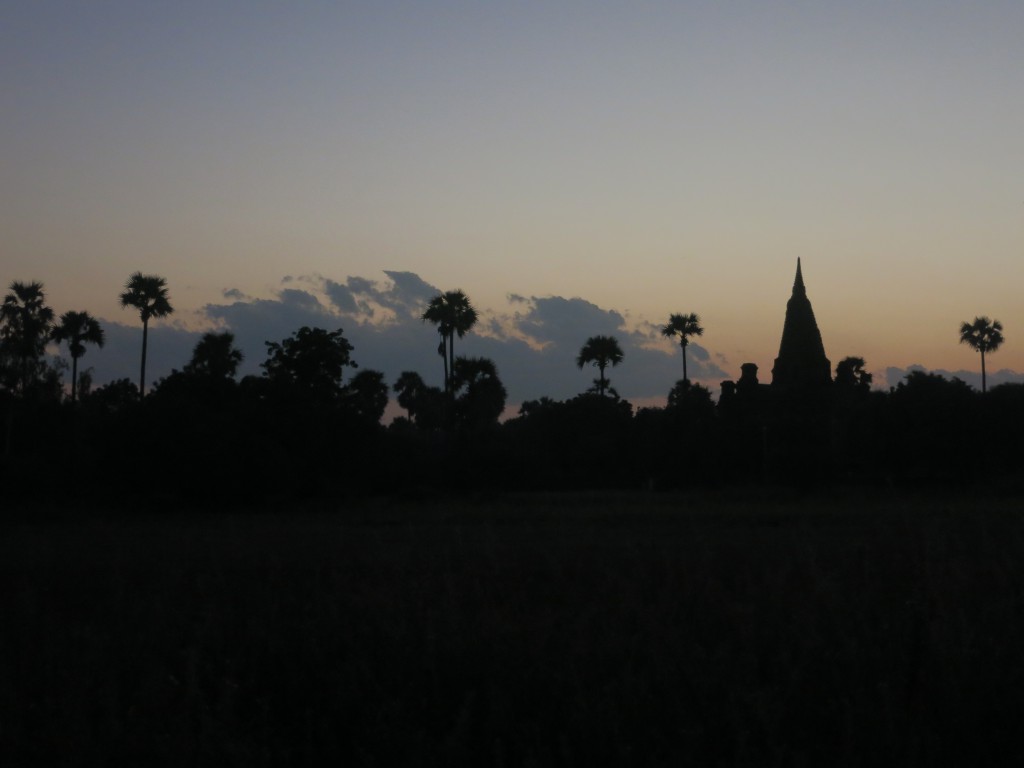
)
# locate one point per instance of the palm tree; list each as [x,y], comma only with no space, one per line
[425,404]
[77,329]
[983,335]
[453,314]
[25,323]
[481,395]
[148,294]
[602,351]
[683,326]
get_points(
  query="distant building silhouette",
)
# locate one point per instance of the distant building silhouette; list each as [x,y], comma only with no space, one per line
[801,363]
[748,384]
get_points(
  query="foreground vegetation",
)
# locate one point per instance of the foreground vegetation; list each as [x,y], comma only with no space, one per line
[545,630]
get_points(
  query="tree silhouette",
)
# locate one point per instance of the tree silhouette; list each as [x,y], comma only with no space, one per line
[77,329]
[850,373]
[602,351]
[453,314]
[982,335]
[25,324]
[112,397]
[310,363]
[687,396]
[408,388]
[367,395]
[147,294]
[683,326]
[215,355]
[207,382]
[480,395]
[929,420]
[533,407]
[425,404]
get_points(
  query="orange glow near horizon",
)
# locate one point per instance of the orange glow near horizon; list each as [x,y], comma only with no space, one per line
[678,159]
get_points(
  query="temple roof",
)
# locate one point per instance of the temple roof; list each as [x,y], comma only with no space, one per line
[801,362]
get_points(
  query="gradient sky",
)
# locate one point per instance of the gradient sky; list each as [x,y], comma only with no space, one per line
[645,158]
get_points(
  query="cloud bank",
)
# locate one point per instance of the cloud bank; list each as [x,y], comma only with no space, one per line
[533,341]
[894,375]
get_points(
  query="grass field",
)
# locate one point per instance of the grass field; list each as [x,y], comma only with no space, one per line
[576,631]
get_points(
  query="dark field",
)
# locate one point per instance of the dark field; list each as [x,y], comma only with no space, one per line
[578,630]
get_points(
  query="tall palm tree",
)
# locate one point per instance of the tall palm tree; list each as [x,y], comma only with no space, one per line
[25,323]
[453,314]
[147,294]
[983,335]
[602,351]
[683,326]
[77,329]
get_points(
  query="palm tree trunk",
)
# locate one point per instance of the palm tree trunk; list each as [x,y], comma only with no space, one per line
[74,379]
[983,372]
[601,382]
[685,378]
[449,404]
[443,349]
[142,373]
[451,362]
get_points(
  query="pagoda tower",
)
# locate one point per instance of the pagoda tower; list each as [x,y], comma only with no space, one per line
[801,363]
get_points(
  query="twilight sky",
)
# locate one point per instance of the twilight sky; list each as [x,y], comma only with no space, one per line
[576,167]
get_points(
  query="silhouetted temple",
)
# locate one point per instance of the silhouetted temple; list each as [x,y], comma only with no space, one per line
[801,363]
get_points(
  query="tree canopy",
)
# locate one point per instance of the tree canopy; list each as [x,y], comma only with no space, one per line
[982,335]
[77,329]
[601,351]
[147,294]
[454,315]
[683,326]
[311,363]
[215,355]
[26,323]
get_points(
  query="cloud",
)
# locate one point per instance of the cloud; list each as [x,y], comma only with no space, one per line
[169,346]
[533,340]
[894,375]
[402,298]
[535,348]
[409,291]
[341,297]
[303,300]
[380,320]
[561,321]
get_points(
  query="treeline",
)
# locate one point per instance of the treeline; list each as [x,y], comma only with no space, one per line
[301,430]
[310,425]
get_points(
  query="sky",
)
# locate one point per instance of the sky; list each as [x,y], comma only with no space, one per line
[575,167]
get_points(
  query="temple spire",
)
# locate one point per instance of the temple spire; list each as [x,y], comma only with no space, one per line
[801,363]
